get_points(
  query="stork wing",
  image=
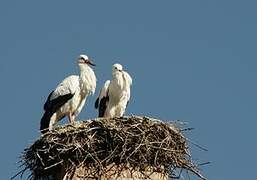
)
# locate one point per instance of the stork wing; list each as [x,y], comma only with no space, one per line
[103,93]
[101,101]
[64,92]
[68,86]
[127,78]
[128,81]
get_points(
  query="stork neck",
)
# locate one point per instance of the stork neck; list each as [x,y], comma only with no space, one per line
[87,79]
[116,75]
[83,70]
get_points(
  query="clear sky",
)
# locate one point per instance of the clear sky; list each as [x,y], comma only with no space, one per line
[193,60]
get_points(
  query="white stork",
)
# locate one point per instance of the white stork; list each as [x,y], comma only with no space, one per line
[69,96]
[115,94]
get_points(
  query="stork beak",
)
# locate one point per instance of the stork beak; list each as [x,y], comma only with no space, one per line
[91,62]
[88,61]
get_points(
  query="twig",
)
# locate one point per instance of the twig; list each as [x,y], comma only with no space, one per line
[49,167]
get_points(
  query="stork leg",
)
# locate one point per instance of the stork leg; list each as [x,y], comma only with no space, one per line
[71,117]
[51,125]
[120,110]
[52,122]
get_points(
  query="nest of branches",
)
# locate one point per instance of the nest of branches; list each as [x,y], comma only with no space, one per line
[131,143]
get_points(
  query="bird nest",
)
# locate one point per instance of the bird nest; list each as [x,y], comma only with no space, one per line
[131,143]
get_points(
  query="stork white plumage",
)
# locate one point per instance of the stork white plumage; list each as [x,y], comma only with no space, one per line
[69,96]
[115,94]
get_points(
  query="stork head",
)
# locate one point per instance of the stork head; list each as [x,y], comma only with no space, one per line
[83,59]
[117,68]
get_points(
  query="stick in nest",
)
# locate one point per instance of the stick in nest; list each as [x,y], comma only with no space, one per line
[130,143]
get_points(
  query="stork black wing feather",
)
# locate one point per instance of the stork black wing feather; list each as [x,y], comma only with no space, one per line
[50,107]
[46,105]
[103,106]
[96,103]
[54,104]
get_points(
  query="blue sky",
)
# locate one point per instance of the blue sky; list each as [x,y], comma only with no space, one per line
[190,60]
